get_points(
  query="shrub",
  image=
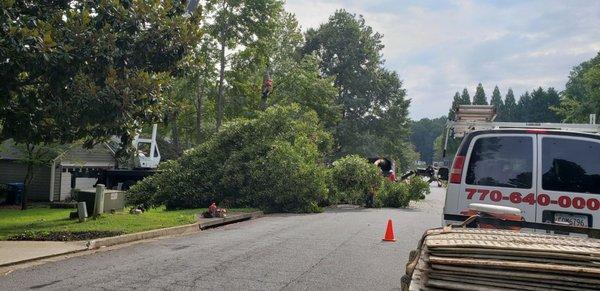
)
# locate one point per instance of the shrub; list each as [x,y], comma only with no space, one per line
[295,185]
[142,193]
[274,162]
[146,192]
[393,194]
[352,178]
[399,194]
[417,188]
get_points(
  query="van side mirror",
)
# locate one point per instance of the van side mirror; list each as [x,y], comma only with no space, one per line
[443,174]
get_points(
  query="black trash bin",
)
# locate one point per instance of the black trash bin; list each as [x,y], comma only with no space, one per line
[14,193]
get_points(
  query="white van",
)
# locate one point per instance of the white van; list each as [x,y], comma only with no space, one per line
[552,176]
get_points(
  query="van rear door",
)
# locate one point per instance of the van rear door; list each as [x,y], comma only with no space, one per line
[499,170]
[569,180]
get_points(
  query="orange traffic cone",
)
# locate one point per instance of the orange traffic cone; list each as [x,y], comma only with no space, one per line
[389,232]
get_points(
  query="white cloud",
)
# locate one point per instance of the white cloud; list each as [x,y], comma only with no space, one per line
[311,13]
[441,47]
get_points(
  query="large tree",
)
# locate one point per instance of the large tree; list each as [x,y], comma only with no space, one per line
[479,97]
[524,108]
[293,77]
[582,93]
[465,97]
[497,101]
[74,70]
[455,102]
[236,24]
[508,111]
[536,106]
[374,107]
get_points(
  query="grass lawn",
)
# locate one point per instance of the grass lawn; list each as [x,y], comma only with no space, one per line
[45,219]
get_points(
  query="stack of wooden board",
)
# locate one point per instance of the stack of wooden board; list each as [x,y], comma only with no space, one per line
[479,259]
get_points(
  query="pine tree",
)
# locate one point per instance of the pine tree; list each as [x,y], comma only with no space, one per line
[522,114]
[497,102]
[510,106]
[539,109]
[455,102]
[465,97]
[479,98]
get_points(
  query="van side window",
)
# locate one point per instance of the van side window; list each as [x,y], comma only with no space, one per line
[570,165]
[505,161]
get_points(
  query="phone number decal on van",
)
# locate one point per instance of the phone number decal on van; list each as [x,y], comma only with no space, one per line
[542,199]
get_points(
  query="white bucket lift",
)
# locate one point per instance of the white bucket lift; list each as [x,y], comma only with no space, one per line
[146,151]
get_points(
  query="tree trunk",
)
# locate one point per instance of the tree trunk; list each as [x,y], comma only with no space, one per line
[199,113]
[28,177]
[176,134]
[266,88]
[221,87]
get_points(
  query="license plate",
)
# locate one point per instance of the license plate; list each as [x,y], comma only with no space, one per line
[571,219]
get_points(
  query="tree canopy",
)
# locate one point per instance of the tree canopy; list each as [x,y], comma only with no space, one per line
[479,97]
[536,106]
[582,93]
[508,112]
[373,105]
[496,100]
[465,97]
[85,70]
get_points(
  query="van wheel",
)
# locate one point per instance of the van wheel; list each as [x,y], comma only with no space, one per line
[405,282]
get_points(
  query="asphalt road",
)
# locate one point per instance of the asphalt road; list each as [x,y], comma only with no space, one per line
[338,249]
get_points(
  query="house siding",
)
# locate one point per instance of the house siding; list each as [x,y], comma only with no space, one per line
[78,156]
[12,171]
[98,154]
[57,179]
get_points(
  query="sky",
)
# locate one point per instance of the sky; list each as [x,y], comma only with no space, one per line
[440,47]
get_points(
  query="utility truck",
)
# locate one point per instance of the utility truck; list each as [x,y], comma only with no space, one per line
[142,163]
[515,191]
[549,171]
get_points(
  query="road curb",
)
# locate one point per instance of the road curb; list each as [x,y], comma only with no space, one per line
[176,230]
[130,237]
[231,219]
[40,258]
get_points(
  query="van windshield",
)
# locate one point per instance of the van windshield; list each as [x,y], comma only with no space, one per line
[502,162]
[570,165]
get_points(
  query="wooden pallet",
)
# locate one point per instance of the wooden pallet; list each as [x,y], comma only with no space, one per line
[478,259]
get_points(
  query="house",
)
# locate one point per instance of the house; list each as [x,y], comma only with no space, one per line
[73,168]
